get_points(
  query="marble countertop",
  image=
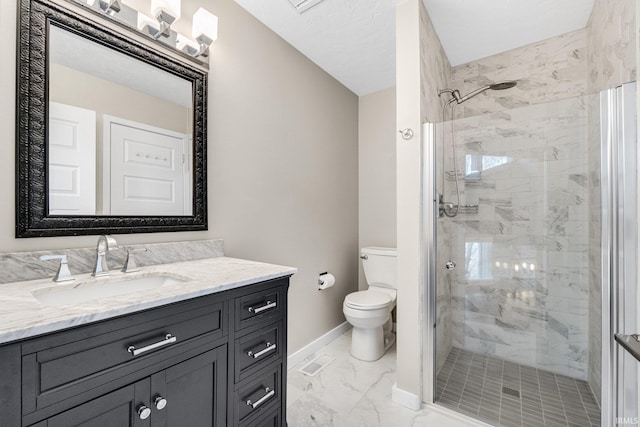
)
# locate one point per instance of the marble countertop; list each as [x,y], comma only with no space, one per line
[23,316]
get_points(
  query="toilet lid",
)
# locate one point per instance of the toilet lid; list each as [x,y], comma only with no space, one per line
[367,300]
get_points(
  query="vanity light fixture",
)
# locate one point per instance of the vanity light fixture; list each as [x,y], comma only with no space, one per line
[166,12]
[158,26]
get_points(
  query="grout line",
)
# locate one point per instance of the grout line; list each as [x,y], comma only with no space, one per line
[540,395]
[544,420]
[584,406]
[520,391]
[455,361]
[501,387]
[466,378]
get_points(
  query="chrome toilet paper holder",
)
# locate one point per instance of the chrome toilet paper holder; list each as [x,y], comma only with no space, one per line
[320,281]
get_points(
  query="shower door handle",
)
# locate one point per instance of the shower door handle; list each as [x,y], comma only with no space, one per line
[631,343]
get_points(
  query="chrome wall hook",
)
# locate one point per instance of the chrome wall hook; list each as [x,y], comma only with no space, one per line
[407,134]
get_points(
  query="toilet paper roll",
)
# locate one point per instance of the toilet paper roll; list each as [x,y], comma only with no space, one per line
[326,281]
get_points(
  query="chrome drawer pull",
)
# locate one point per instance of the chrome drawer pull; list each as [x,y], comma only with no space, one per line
[168,339]
[269,395]
[267,349]
[267,306]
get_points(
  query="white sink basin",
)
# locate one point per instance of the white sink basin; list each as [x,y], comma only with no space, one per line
[76,293]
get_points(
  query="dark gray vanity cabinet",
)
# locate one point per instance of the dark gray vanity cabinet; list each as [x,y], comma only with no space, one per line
[215,360]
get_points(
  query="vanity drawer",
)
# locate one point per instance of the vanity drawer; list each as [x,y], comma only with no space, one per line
[272,419]
[257,349]
[259,307]
[85,358]
[258,397]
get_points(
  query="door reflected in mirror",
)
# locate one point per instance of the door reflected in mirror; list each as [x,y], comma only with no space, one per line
[119,133]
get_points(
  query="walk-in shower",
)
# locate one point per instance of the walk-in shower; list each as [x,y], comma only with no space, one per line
[516,269]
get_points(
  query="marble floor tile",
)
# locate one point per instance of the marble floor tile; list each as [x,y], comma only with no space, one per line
[352,393]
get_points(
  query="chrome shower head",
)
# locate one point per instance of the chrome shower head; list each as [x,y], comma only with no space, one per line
[503,85]
[494,86]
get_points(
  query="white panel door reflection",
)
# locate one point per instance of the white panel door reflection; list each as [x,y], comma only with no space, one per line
[145,170]
[72,160]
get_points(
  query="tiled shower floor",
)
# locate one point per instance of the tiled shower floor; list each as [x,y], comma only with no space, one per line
[510,394]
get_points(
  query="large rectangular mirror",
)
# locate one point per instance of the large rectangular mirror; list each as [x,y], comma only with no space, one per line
[111,133]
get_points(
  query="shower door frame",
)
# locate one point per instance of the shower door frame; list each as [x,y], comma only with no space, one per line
[429,215]
[619,250]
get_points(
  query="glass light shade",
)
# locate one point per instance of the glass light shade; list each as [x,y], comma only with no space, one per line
[144,20]
[172,7]
[205,23]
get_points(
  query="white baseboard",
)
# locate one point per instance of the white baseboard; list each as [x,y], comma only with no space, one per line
[406,399]
[308,350]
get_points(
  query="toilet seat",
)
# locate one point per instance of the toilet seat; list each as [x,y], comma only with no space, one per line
[367,300]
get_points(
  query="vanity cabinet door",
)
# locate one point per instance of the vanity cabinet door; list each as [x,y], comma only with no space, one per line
[116,409]
[191,393]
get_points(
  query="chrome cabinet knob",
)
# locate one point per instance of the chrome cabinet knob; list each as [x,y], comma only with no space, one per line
[450,265]
[160,403]
[365,257]
[144,412]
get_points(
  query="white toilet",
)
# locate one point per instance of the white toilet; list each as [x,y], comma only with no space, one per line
[370,311]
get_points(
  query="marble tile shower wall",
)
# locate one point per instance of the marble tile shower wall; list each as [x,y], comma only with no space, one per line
[548,70]
[521,288]
[611,43]
[611,61]
[444,332]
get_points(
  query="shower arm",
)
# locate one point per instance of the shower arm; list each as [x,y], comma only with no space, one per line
[470,94]
[455,94]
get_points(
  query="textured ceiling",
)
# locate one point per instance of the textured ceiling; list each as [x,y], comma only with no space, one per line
[354,40]
[99,61]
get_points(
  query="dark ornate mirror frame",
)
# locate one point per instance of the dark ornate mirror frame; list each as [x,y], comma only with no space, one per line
[32,218]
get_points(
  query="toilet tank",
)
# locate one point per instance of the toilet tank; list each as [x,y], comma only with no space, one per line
[380,266]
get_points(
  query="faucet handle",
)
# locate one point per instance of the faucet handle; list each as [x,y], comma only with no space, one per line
[63,274]
[130,263]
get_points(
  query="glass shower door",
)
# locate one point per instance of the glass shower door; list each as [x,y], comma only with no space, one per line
[517,292]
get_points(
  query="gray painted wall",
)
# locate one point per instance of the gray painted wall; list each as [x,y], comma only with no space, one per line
[283,163]
[377,171]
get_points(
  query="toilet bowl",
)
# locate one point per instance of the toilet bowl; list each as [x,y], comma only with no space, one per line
[369,311]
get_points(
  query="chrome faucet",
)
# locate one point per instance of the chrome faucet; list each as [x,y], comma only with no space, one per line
[105,243]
